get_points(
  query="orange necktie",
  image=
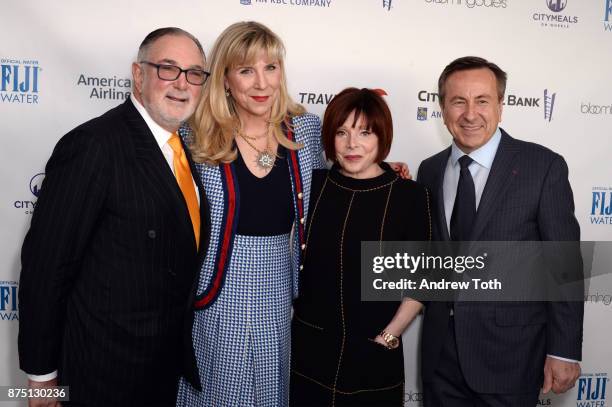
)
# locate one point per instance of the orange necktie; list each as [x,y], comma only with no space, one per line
[182,172]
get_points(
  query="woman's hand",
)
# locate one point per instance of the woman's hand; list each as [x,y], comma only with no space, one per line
[401,169]
[379,340]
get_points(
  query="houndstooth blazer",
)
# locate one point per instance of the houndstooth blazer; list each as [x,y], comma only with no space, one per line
[223,195]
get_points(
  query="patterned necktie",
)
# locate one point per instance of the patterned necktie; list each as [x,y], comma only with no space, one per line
[182,172]
[464,210]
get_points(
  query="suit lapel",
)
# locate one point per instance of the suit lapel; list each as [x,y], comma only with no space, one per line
[499,180]
[439,184]
[156,173]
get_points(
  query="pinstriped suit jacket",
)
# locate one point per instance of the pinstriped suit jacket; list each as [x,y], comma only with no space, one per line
[109,267]
[502,346]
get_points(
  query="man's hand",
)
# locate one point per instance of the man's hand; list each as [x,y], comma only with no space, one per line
[401,169]
[559,375]
[43,402]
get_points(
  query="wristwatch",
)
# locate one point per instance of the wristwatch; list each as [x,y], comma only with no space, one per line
[392,341]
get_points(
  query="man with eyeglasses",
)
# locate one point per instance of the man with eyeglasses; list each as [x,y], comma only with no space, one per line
[110,262]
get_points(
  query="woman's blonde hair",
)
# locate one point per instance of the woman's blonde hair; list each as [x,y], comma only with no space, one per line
[215,119]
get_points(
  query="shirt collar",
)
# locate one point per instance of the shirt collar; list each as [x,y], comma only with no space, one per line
[161,135]
[484,155]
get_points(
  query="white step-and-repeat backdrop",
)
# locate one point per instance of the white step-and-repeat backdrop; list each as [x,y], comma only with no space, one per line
[63,62]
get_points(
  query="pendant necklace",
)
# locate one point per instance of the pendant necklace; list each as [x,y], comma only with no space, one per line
[265,159]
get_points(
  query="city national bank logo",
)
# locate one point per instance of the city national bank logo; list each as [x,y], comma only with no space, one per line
[558,19]
[8,301]
[601,206]
[423,111]
[608,16]
[111,88]
[592,390]
[303,3]
[19,81]
[472,3]
[549,104]
[27,205]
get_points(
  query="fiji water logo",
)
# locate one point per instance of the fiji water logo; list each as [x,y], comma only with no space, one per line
[549,104]
[8,301]
[556,6]
[608,15]
[19,81]
[601,206]
[592,390]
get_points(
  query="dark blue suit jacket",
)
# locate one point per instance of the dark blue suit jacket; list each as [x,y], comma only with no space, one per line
[502,346]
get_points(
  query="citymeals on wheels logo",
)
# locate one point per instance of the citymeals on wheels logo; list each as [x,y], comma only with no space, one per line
[556,5]
[608,16]
[306,3]
[27,205]
[19,81]
[8,301]
[601,206]
[592,390]
[557,20]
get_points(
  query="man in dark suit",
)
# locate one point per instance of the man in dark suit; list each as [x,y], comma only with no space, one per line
[489,186]
[111,259]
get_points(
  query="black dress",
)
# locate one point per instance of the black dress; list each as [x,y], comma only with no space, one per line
[334,361]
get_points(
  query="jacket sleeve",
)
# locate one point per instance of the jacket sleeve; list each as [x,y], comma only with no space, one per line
[63,222]
[557,223]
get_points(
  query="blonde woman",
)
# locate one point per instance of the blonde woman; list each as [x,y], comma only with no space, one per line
[256,150]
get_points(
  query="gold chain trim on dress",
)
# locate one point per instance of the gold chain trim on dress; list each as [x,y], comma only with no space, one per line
[384,218]
[306,323]
[362,190]
[348,211]
[310,217]
[346,393]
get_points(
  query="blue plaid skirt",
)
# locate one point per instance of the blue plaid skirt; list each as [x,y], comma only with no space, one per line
[242,341]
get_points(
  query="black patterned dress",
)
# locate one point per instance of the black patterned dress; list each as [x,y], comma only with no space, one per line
[334,360]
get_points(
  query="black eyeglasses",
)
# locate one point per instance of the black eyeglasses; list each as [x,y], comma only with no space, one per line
[172,72]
